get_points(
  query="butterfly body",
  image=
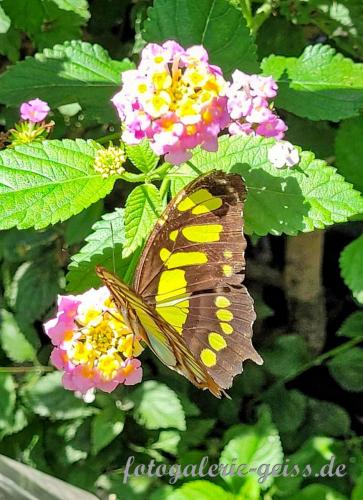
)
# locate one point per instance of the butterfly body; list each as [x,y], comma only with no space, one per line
[188,302]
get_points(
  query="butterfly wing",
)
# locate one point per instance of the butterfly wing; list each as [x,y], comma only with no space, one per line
[191,272]
[160,336]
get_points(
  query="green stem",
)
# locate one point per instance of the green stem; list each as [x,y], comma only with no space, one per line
[262,14]
[108,138]
[26,369]
[246,9]
[323,357]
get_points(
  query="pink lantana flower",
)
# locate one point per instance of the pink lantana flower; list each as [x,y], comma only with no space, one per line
[283,154]
[175,98]
[249,106]
[92,344]
[34,110]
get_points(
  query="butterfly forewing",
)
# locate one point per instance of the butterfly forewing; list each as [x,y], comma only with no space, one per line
[191,272]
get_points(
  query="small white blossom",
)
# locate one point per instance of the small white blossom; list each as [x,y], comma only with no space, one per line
[283,154]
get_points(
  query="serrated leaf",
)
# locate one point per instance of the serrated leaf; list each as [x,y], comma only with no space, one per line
[13,340]
[288,408]
[287,355]
[73,72]
[351,266]
[167,441]
[5,21]
[79,7]
[352,326]
[34,288]
[7,400]
[106,426]
[327,419]
[217,25]
[320,85]
[43,183]
[48,398]
[157,407]
[349,151]
[142,156]
[254,445]
[309,196]
[104,247]
[202,490]
[143,207]
[346,368]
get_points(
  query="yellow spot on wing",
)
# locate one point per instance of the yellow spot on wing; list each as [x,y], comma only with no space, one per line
[194,199]
[181,259]
[226,328]
[216,341]
[173,235]
[224,315]
[221,301]
[227,270]
[207,206]
[164,254]
[208,357]
[228,254]
[204,233]
[172,284]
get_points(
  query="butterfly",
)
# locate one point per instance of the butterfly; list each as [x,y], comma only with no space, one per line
[187,301]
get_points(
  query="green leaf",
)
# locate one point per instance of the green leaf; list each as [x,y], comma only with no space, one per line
[319,85]
[25,15]
[346,368]
[197,430]
[143,207]
[286,356]
[104,247]
[13,340]
[142,156]
[217,25]
[318,492]
[19,246]
[34,288]
[349,151]
[106,426]
[352,326]
[255,445]
[167,441]
[7,400]
[5,21]
[309,196]
[312,136]
[48,398]
[357,493]
[157,407]
[10,44]
[202,490]
[288,408]
[43,183]
[60,26]
[80,226]
[326,418]
[73,72]
[351,266]
[79,7]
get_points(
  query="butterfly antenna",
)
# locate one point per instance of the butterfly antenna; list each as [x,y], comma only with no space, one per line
[113,250]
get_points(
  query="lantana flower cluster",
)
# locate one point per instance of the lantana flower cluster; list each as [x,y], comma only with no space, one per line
[175,98]
[32,126]
[92,344]
[178,100]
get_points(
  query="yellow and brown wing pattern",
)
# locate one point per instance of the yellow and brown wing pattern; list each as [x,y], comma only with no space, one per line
[191,272]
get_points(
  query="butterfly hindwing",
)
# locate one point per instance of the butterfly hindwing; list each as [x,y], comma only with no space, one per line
[191,272]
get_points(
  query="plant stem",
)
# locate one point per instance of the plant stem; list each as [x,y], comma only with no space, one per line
[108,138]
[323,357]
[25,369]
[245,6]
